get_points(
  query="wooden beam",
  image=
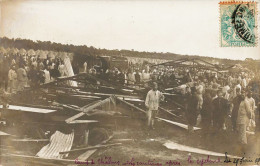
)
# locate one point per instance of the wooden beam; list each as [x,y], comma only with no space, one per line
[84,156]
[82,121]
[90,148]
[28,109]
[131,105]
[184,126]
[169,112]
[175,146]
[4,134]
[30,140]
[84,110]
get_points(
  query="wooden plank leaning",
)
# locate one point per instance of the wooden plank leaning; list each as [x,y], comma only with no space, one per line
[84,110]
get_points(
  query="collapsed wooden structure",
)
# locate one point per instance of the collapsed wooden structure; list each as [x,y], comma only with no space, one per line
[66,122]
[190,63]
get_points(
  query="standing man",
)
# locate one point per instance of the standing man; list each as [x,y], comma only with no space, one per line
[152,101]
[192,109]
[4,69]
[21,78]
[220,110]
[236,103]
[12,76]
[85,66]
[244,114]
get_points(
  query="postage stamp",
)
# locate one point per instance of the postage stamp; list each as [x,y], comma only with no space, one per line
[238,24]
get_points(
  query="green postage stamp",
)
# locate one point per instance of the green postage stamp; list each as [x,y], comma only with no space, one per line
[238,24]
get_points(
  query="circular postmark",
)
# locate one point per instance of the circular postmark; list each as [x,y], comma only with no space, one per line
[243,20]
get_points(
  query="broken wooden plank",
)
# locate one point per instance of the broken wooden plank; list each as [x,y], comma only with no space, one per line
[169,112]
[82,121]
[184,126]
[28,109]
[37,106]
[87,108]
[131,99]
[123,140]
[69,107]
[91,148]
[74,117]
[30,140]
[84,156]
[176,146]
[131,105]
[4,134]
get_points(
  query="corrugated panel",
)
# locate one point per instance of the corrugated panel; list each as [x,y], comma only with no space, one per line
[59,142]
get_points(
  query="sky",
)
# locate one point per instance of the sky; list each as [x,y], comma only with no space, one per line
[176,26]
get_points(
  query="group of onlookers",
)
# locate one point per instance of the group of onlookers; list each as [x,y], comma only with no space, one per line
[216,108]
[232,107]
[19,71]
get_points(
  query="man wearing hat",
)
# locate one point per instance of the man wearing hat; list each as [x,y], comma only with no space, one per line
[220,110]
[152,101]
[12,76]
[192,108]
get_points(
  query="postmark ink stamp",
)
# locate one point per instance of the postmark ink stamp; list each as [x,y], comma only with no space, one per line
[238,24]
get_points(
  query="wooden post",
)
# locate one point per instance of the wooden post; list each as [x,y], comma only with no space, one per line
[86,137]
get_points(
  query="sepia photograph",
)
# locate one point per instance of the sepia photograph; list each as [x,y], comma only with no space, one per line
[129,82]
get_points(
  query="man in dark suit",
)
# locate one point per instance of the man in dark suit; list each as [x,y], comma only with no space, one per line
[220,109]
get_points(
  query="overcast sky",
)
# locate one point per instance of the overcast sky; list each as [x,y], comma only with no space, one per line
[183,27]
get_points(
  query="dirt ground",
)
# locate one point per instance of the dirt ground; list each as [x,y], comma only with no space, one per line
[147,145]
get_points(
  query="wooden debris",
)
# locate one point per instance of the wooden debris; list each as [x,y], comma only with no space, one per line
[30,140]
[87,108]
[28,109]
[82,121]
[4,134]
[184,126]
[169,112]
[91,148]
[131,105]
[175,146]
[88,153]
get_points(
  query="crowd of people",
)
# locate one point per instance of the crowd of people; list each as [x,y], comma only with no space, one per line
[227,101]
[219,101]
[214,101]
[18,71]
[230,107]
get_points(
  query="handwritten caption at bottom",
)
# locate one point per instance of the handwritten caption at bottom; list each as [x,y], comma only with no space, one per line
[134,162]
[203,161]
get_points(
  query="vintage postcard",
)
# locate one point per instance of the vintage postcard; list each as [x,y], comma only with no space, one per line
[129,83]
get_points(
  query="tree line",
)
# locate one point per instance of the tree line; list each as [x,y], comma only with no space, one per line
[83,52]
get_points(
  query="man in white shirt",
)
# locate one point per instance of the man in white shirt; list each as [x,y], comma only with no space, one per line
[152,101]
[252,106]
[225,91]
[85,66]
[46,76]
[238,86]
[199,91]
[243,82]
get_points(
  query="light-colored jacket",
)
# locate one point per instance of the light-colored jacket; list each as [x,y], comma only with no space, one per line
[244,113]
[12,75]
[153,99]
[21,75]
